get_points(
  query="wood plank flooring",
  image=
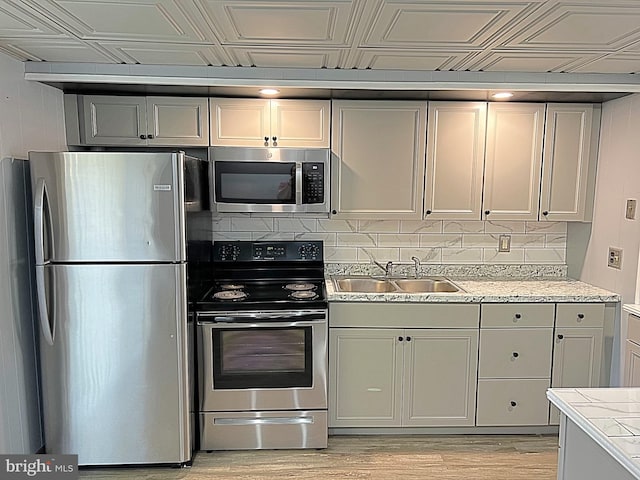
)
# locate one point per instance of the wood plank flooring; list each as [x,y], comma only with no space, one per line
[379,457]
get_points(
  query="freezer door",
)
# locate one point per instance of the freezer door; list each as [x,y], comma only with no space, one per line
[115,364]
[106,206]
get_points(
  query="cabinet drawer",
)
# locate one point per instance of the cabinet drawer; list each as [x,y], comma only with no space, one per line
[512,402]
[517,315]
[580,315]
[633,329]
[404,315]
[515,353]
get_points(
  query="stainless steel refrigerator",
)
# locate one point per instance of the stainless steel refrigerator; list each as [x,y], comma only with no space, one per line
[110,249]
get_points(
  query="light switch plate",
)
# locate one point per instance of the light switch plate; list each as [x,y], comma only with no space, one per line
[504,243]
[615,258]
[630,211]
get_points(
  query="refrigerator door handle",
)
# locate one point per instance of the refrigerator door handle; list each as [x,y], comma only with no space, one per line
[48,329]
[38,220]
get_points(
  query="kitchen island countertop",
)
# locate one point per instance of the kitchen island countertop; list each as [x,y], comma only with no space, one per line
[478,290]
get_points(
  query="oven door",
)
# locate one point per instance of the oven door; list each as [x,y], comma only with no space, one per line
[263,360]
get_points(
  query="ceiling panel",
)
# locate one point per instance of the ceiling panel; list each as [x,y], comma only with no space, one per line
[57,50]
[17,21]
[148,20]
[286,57]
[408,60]
[148,53]
[285,22]
[525,62]
[612,64]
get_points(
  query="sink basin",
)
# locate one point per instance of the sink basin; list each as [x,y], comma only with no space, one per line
[364,285]
[404,285]
[425,285]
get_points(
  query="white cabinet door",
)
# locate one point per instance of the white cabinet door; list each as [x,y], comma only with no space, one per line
[251,122]
[577,356]
[114,120]
[379,149]
[300,123]
[365,377]
[632,365]
[177,121]
[513,161]
[440,377]
[567,161]
[240,122]
[455,160]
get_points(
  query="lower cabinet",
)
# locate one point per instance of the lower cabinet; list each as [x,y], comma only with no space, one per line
[394,377]
[515,364]
[632,354]
[402,377]
[577,352]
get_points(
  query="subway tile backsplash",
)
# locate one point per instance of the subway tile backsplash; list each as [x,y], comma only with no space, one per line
[432,241]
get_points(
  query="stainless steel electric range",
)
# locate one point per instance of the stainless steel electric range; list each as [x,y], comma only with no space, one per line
[262,347]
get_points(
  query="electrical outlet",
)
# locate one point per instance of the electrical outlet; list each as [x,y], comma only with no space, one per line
[504,243]
[630,211]
[615,258]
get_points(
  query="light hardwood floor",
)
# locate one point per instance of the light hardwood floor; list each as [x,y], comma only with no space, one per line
[468,457]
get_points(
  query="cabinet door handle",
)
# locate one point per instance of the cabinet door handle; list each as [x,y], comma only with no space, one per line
[517,316]
[408,339]
[400,339]
[487,212]
[560,337]
[515,354]
[266,141]
[143,137]
[334,212]
[428,212]
[513,404]
[545,213]
[580,316]
[150,137]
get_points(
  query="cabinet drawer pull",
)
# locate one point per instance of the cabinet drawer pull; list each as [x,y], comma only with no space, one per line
[515,354]
[517,317]
[513,404]
[580,316]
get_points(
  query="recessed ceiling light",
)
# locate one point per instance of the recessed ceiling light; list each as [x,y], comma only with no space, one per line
[269,91]
[502,95]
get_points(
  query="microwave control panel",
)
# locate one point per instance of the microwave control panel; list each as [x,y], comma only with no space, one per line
[312,183]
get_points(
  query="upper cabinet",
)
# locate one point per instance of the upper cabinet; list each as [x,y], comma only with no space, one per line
[455,160]
[140,121]
[250,122]
[379,156]
[568,166]
[513,161]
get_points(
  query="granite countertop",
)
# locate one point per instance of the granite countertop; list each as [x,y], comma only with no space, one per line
[610,416]
[478,290]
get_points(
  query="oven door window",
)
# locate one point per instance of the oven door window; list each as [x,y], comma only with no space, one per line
[262,358]
[255,182]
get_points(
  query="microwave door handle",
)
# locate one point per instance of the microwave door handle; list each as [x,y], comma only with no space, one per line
[298,183]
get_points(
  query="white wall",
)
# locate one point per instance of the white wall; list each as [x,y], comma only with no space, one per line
[31,118]
[618,179]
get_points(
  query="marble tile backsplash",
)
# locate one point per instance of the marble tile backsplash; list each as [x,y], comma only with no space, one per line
[433,242]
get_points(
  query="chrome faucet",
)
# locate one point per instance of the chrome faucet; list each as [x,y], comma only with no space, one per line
[416,265]
[388,268]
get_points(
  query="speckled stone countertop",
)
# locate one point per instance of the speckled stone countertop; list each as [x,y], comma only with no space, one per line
[483,289]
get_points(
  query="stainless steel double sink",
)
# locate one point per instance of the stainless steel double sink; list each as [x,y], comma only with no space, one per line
[371,284]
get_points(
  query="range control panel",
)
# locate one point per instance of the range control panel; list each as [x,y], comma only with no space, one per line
[285,251]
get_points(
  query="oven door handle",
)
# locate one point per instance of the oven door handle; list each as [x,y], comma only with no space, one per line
[283,317]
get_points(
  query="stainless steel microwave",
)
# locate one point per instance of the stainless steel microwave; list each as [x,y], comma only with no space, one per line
[277,180]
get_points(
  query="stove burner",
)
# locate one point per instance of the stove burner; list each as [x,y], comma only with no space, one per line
[304,295]
[231,286]
[298,287]
[234,295]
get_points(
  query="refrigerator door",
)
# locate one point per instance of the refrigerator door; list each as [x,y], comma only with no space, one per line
[108,207]
[115,368]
